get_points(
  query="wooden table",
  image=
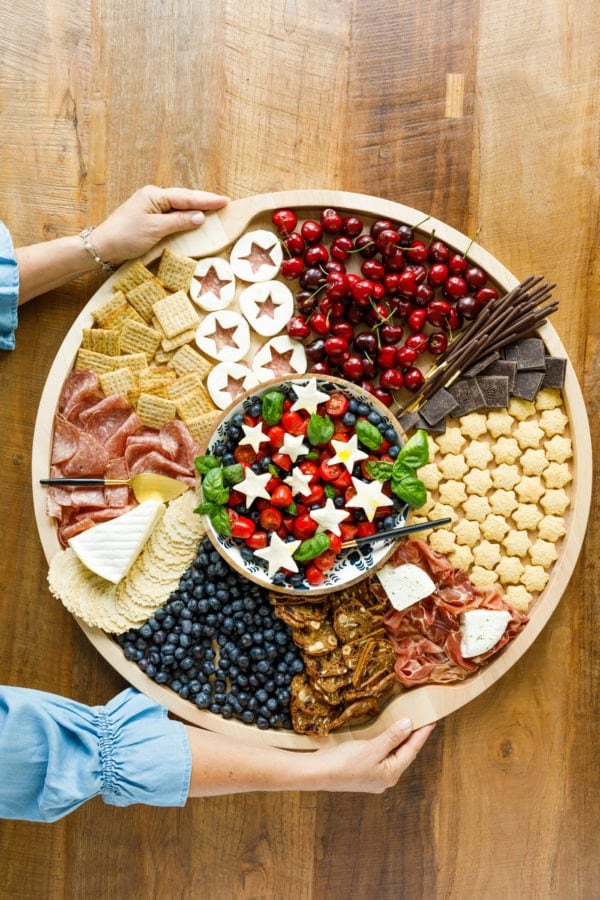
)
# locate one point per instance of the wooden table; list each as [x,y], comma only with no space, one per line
[484,115]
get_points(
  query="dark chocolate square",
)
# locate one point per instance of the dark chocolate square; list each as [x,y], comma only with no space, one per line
[441,404]
[504,367]
[438,428]
[481,365]
[495,390]
[556,368]
[467,394]
[528,384]
[409,421]
[528,354]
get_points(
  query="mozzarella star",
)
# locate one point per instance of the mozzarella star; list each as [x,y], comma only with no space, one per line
[309,397]
[328,517]
[299,482]
[278,554]
[293,446]
[254,435]
[347,453]
[254,486]
[369,497]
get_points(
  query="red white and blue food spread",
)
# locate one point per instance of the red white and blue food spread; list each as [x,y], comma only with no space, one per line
[299,469]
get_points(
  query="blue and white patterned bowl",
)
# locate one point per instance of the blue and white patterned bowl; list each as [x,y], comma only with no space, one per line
[353,564]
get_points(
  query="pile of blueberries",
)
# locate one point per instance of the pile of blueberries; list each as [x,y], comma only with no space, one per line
[217,643]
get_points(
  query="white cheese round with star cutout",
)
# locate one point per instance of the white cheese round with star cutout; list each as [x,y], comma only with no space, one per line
[111,548]
[405,585]
[481,629]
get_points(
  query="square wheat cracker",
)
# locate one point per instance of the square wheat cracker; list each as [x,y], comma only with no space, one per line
[95,362]
[153,376]
[186,360]
[192,405]
[101,340]
[202,427]
[137,362]
[154,411]
[143,297]
[139,338]
[176,314]
[134,275]
[107,308]
[185,384]
[169,344]
[119,381]
[175,271]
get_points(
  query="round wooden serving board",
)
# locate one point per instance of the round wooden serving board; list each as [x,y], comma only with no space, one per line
[422,704]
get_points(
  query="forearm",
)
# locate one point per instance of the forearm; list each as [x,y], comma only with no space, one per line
[46,266]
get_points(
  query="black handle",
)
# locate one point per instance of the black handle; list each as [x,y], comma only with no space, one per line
[396,532]
[72,481]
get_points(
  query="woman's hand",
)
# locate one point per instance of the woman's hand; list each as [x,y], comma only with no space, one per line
[148,216]
[371,765]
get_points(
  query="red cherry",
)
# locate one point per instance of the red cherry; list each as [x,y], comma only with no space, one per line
[387,240]
[298,328]
[320,323]
[413,379]
[294,244]
[386,357]
[406,233]
[417,342]
[455,287]
[341,247]
[437,313]
[306,301]
[485,295]
[365,244]
[285,220]
[343,329]
[316,350]
[402,306]
[316,254]
[424,294]
[352,226]
[455,320]
[373,269]
[383,395]
[416,253]
[457,264]
[331,221]
[311,231]
[365,342]
[354,313]
[437,343]
[391,332]
[437,275]
[362,291]
[392,379]
[406,356]
[378,226]
[438,252]
[292,268]
[394,260]
[321,368]
[407,283]
[335,346]
[390,282]
[337,285]
[416,319]
[311,279]
[353,367]
[475,277]
[468,307]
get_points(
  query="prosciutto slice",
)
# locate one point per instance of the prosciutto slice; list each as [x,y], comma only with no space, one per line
[426,636]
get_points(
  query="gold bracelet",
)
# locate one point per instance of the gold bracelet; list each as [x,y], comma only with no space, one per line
[84,235]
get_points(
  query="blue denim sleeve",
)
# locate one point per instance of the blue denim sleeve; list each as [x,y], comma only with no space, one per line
[9,291]
[56,753]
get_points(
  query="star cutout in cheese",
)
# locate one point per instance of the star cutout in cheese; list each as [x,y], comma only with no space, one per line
[254,486]
[211,283]
[254,436]
[309,397]
[369,497]
[328,517]
[278,554]
[258,257]
[299,482]
[347,453]
[293,446]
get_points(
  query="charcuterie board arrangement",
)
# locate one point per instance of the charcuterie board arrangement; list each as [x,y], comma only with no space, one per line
[372,315]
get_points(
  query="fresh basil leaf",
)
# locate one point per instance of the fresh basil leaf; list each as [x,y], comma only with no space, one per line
[320,429]
[409,488]
[368,434]
[312,547]
[380,471]
[204,509]
[292,509]
[272,407]
[220,520]
[233,474]
[222,497]
[415,453]
[212,484]
[329,491]
[203,464]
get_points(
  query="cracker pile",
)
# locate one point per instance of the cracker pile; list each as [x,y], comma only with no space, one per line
[139,346]
[503,478]
[115,608]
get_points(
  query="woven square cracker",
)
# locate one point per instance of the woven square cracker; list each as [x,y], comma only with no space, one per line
[143,297]
[155,411]
[107,308]
[202,427]
[139,338]
[186,359]
[119,381]
[175,271]
[193,404]
[94,361]
[157,390]
[134,275]
[179,340]
[101,340]
[176,314]
[154,376]
[119,318]
[137,362]
[190,382]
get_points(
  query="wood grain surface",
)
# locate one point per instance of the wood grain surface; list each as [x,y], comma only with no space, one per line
[485,115]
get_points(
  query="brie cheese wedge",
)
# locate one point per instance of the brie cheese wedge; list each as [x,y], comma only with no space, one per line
[481,629]
[405,585]
[111,548]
